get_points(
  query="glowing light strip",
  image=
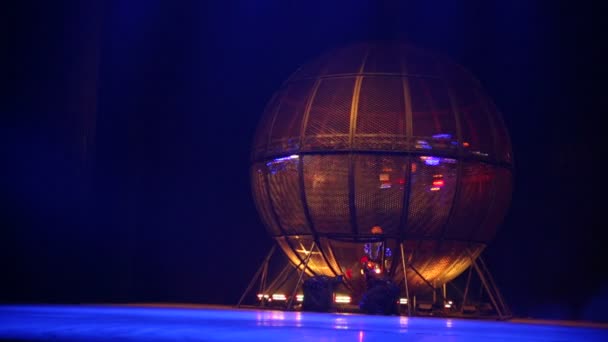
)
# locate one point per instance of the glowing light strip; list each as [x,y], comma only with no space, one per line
[282,159]
[279,296]
[343,299]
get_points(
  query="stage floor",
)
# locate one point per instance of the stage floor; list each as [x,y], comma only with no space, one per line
[210,323]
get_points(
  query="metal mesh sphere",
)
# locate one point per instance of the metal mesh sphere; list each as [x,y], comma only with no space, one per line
[386,135]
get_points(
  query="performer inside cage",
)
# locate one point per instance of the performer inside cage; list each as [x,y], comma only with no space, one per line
[373,262]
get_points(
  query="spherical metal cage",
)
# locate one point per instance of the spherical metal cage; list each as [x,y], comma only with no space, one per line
[382,134]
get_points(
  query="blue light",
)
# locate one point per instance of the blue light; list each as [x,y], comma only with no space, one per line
[282,159]
[279,164]
[423,144]
[431,161]
[190,322]
[442,136]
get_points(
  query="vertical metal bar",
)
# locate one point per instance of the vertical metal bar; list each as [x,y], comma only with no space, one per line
[409,129]
[406,198]
[394,265]
[466,289]
[351,157]
[407,292]
[383,256]
[354,111]
[306,114]
[409,135]
[266,260]
[263,283]
[295,289]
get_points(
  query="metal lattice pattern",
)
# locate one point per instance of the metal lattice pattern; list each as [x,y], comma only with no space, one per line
[473,202]
[286,126]
[381,114]
[329,116]
[262,198]
[327,195]
[387,135]
[430,202]
[379,185]
[285,195]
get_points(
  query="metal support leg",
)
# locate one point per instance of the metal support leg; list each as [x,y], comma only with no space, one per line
[425,281]
[490,287]
[295,289]
[262,289]
[407,293]
[466,289]
[499,298]
[421,277]
[285,274]
[257,274]
[488,290]
[280,278]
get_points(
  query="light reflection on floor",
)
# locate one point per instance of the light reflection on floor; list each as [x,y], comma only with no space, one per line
[203,323]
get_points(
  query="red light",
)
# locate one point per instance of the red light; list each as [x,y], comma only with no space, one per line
[348,274]
[438,183]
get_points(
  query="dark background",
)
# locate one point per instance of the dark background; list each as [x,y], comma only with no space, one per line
[126,128]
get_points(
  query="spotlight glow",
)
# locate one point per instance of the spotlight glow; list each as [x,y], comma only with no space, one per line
[279,297]
[342,299]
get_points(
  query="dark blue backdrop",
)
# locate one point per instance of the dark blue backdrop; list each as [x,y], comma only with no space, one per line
[126,129]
